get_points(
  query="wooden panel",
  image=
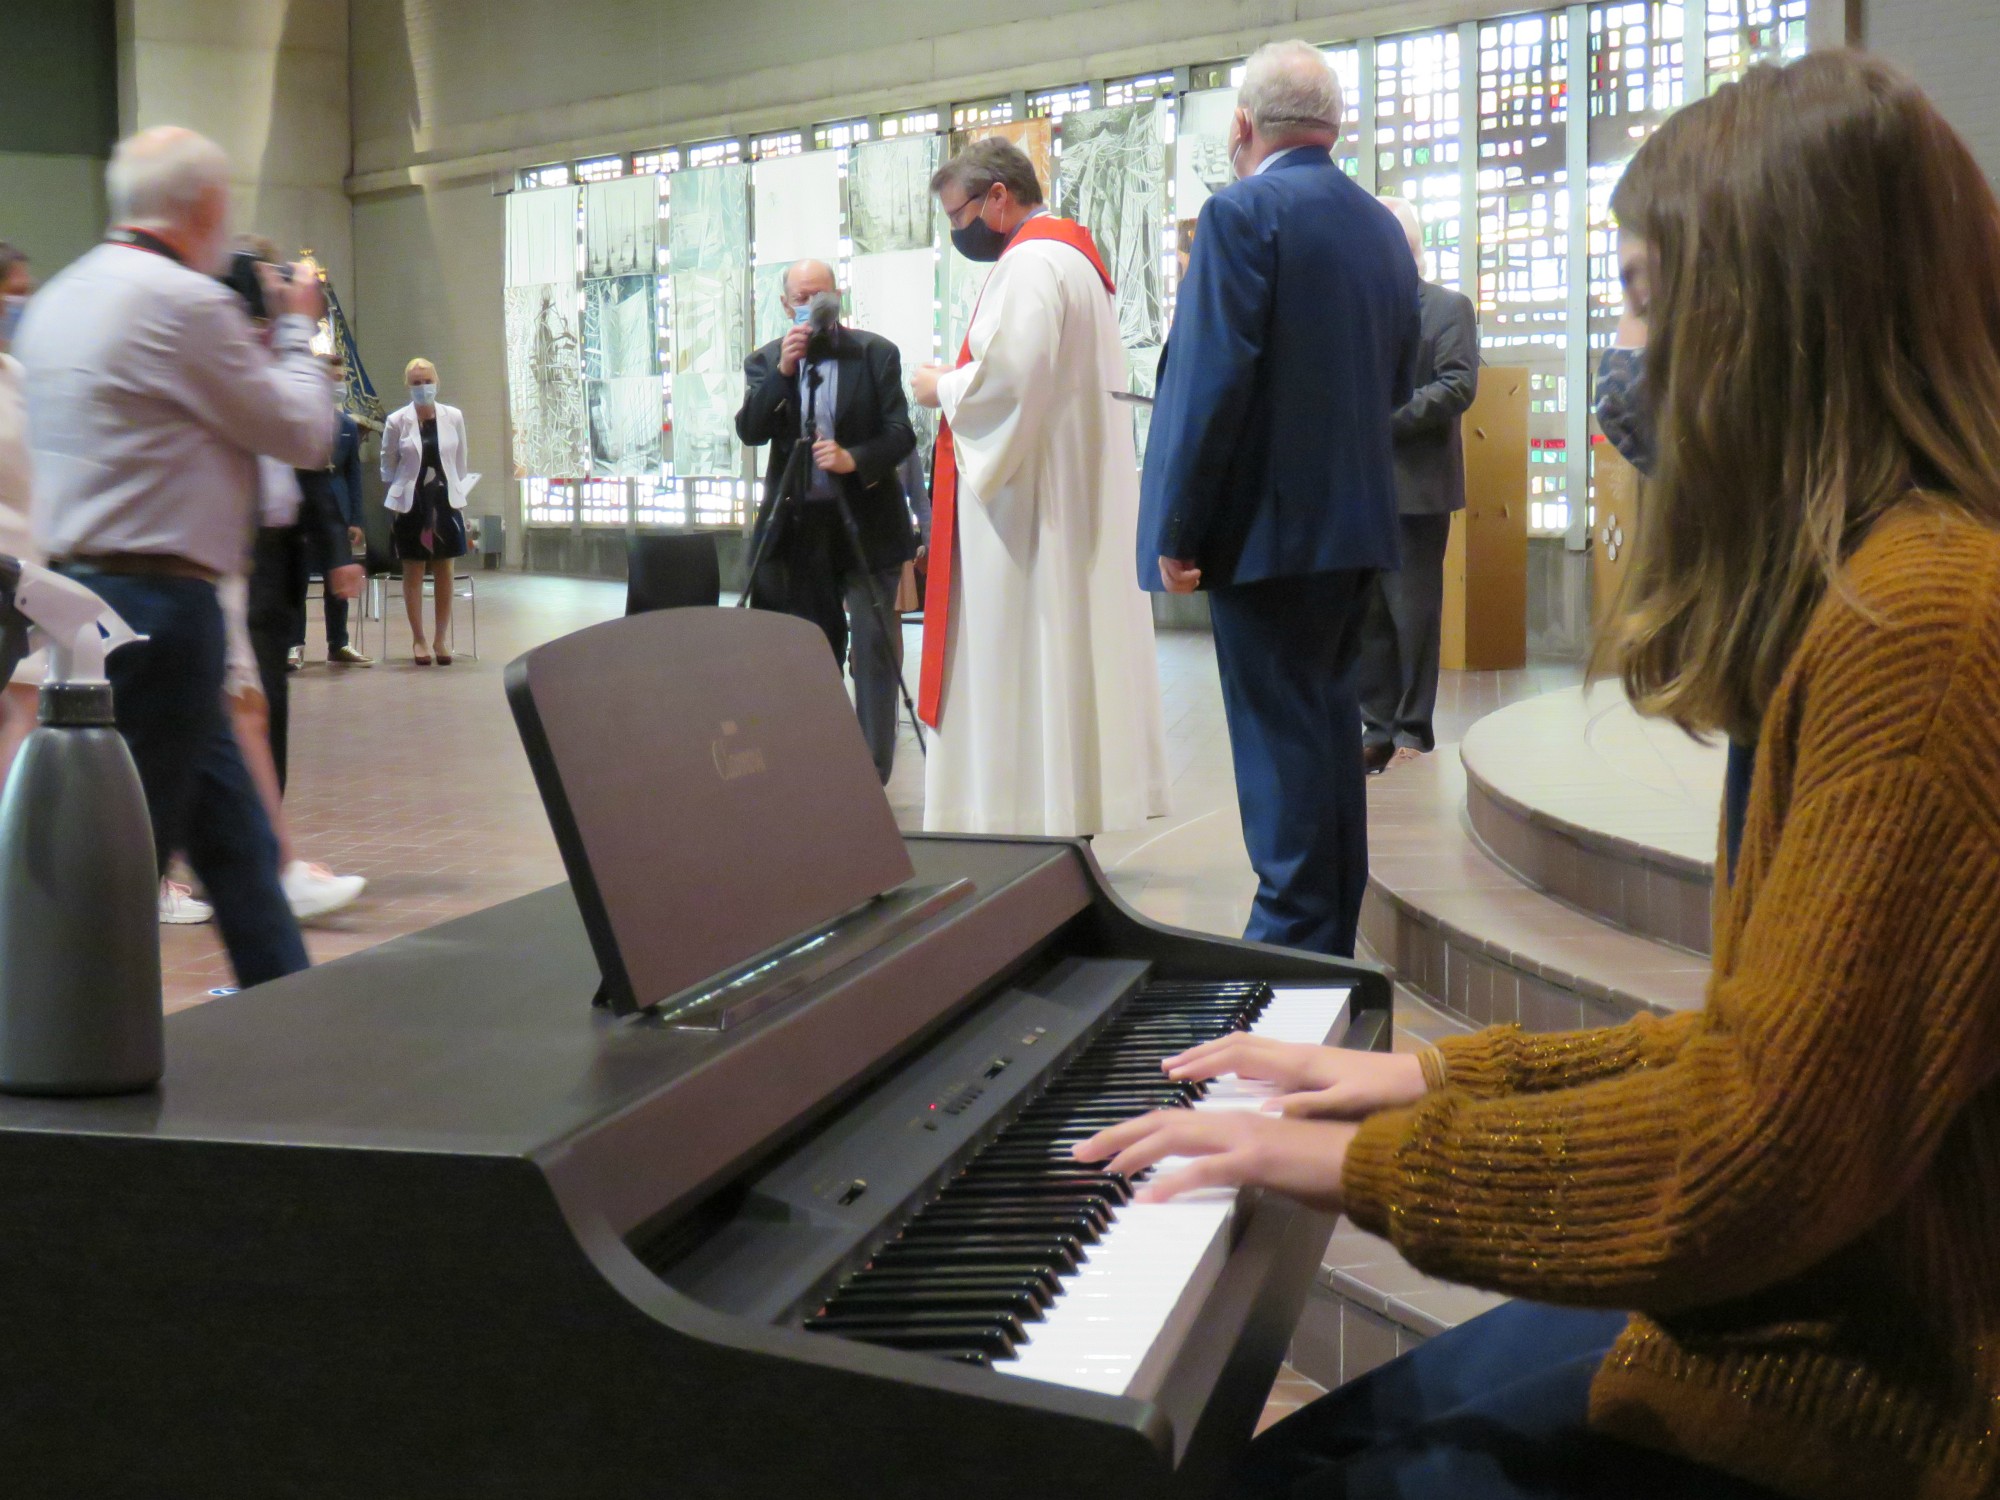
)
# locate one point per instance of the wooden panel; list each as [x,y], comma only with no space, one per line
[1486,562]
[1615,530]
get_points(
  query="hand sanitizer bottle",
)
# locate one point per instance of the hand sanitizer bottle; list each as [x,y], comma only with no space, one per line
[79,888]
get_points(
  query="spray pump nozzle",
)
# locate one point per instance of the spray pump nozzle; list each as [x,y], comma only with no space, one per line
[41,608]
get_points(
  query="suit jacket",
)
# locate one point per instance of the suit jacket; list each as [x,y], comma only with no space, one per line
[1294,340]
[345,470]
[403,455]
[1430,446]
[871,420]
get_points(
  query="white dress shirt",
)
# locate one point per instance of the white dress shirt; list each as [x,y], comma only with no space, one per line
[150,397]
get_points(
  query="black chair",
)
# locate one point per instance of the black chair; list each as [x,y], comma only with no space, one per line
[674,570]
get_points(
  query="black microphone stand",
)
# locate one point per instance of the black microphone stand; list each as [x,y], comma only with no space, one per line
[790,493]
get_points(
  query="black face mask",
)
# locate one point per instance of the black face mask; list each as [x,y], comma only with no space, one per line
[979,241]
[1621,406]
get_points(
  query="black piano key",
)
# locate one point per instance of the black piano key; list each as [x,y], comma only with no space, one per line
[1043,1285]
[946,1257]
[1020,1305]
[951,1339]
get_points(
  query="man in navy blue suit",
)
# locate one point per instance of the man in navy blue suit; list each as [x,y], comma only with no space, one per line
[1269,478]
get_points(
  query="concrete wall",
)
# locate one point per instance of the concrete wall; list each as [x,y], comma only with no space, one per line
[267,80]
[427,282]
[58,118]
[1950,45]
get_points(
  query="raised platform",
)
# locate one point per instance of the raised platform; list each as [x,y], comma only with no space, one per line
[1614,814]
[1552,871]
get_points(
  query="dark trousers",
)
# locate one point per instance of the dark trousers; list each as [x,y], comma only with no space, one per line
[168,693]
[1397,674]
[1493,1410]
[817,580]
[277,622]
[319,560]
[1286,648]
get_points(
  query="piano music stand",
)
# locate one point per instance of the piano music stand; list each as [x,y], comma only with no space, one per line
[707,761]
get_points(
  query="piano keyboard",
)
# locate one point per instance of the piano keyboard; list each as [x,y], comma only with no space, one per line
[1034,1265]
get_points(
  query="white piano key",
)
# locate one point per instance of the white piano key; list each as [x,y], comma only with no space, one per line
[1122,1316]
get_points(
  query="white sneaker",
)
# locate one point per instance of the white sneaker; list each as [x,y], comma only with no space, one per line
[178,908]
[315,891]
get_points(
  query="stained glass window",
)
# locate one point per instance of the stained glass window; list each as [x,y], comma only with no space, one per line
[548,502]
[1638,76]
[1743,33]
[778,143]
[1346,62]
[981,112]
[1133,90]
[1524,232]
[1053,104]
[556,174]
[1418,138]
[917,122]
[666,159]
[658,502]
[719,502]
[600,169]
[840,133]
[602,502]
[715,153]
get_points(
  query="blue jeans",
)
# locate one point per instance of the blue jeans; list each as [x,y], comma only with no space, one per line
[1285,648]
[1493,1410]
[167,691]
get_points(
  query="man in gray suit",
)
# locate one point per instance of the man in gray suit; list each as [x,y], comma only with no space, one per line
[1397,671]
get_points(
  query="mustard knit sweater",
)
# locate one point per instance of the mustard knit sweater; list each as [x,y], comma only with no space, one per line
[1799,1186]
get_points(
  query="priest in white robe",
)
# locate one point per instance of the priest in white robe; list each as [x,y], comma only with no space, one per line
[1039,674]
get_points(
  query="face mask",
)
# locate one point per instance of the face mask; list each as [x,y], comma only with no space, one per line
[801,313]
[11,309]
[424,395]
[979,241]
[1621,406]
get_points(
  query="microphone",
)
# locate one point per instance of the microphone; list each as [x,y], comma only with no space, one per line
[822,316]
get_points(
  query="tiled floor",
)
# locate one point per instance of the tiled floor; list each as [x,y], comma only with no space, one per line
[414,778]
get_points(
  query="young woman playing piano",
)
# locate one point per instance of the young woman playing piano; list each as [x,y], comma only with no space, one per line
[1755,1246]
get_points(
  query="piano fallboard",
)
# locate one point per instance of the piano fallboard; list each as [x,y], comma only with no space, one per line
[379,1232]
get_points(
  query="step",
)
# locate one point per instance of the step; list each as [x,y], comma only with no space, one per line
[1462,928]
[1369,1305]
[1614,814]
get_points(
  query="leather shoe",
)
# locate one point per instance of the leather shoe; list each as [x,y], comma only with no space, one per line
[1375,758]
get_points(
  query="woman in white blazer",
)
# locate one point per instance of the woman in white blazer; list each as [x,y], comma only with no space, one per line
[423,462]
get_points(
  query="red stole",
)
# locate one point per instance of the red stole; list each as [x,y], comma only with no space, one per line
[943,555]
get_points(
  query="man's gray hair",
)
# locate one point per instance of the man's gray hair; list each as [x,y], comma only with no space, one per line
[160,176]
[975,169]
[1289,88]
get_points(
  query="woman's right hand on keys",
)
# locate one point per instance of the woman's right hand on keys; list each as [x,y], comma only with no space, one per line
[1321,1082]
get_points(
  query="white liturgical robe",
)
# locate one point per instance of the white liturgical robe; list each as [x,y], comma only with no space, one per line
[1050,719]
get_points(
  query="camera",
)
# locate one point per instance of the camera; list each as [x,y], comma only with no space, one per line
[242,279]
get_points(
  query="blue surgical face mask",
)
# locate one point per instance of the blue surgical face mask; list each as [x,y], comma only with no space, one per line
[11,308]
[801,313]
[1621,406]
[425,394]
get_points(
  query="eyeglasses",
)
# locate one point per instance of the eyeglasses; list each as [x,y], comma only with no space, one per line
[951,214]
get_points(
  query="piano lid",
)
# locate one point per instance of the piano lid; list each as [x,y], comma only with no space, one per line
[709,789]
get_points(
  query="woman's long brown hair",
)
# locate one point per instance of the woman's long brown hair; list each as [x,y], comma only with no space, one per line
[1824,344]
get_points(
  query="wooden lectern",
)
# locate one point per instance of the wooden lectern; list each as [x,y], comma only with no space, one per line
[1615,529]
[1486,562]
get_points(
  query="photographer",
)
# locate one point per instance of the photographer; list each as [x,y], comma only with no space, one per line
[150,398]
[854,382]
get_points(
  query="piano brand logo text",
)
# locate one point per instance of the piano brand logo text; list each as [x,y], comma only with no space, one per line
[734,761]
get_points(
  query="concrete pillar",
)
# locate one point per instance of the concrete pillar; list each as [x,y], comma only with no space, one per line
[267,81]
